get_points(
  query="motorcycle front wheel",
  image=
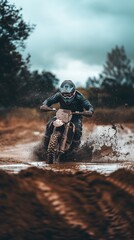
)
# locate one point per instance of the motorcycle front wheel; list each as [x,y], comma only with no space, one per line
[52,151]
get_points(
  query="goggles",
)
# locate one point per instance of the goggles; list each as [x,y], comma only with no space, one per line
[68,95]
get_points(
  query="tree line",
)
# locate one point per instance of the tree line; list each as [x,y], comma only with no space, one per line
[19,86]
[115,85]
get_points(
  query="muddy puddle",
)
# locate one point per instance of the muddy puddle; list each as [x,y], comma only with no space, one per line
[104,149]
[103,168]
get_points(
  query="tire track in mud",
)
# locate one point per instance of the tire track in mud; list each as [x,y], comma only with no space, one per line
[68,212]
[83,205]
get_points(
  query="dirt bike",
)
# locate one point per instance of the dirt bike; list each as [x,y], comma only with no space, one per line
[62,133]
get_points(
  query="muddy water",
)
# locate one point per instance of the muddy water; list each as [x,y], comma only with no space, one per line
[112,148]
[104,168]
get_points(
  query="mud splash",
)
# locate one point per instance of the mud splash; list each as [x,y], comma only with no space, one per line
[113,143]
[104,149]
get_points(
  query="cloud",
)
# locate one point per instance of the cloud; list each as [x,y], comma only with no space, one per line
[77,32]
[75,70]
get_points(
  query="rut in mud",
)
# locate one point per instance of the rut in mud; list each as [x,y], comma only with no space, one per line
[37,204]
[65,204]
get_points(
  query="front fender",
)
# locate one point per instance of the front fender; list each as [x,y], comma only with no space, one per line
[58,123]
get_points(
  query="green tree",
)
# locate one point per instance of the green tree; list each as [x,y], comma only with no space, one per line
[40,86]
[92,82]
[13,33]
[118,77]
[34,87]
[118,66]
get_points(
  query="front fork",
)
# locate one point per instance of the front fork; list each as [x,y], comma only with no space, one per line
[64,138]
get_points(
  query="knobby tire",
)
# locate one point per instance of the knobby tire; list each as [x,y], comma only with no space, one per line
[52,151]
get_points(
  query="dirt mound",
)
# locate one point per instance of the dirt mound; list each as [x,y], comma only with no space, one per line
[37,204]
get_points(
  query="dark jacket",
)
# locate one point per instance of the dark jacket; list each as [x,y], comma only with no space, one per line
[79,103]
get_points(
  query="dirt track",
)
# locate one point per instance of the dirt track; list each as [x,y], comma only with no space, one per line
[100,144]
[71,200]
[39,204]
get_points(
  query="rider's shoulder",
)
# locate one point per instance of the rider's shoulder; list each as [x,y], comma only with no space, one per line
[79,95]
[56,95]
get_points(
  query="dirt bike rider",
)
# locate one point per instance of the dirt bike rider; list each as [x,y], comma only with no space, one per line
[69,98]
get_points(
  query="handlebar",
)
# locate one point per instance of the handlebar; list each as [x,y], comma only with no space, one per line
[47,109]
[84,113]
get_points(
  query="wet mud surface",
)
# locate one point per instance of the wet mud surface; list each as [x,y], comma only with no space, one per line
[38,204]
[88,197]
[103,149]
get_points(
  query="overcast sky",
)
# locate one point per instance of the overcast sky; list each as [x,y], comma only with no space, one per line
[72,38]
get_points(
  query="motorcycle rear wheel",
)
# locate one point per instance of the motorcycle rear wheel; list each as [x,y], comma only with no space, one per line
[52,151]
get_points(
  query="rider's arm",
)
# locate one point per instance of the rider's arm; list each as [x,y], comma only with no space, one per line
[52,100]
[86,104]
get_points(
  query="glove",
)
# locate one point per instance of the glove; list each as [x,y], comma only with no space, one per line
[45,108]
[88,113]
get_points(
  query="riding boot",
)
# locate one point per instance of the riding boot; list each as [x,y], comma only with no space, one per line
[46,141]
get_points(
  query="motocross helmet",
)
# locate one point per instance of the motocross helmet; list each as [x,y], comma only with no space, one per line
[67,90]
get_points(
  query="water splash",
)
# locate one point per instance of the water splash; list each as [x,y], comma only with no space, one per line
[111,143]
[101,144]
